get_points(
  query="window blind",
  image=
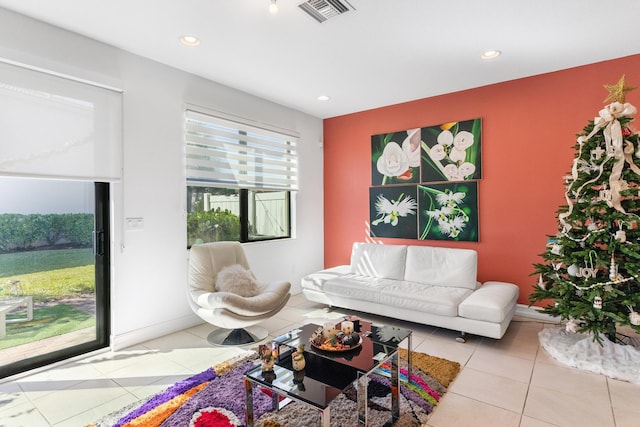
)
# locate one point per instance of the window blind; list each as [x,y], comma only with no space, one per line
[59,128]
[224,153]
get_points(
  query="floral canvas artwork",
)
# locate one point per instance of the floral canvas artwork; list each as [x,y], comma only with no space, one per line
[424,182]
[448,211]
[393,211]
[395,157]
[452,151]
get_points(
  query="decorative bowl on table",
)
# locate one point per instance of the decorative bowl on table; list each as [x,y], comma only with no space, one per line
[338,342]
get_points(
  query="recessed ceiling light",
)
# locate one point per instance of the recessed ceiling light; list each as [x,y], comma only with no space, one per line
[491,54]
[323,98]
[190,40]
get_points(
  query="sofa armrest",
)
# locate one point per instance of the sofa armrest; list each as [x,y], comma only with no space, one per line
[315,281]
[491,302]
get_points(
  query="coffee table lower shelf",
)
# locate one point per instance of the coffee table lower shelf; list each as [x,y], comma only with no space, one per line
[314,390]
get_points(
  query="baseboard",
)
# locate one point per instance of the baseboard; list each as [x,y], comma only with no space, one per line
[128,339]
[534,313]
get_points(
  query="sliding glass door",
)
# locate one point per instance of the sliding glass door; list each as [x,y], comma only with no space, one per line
[54,271]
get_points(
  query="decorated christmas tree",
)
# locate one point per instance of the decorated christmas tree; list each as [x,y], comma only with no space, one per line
[591,268]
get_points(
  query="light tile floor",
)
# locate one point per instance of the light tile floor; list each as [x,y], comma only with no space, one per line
[507,382]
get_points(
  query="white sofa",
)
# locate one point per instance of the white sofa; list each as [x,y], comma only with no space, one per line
[422,284]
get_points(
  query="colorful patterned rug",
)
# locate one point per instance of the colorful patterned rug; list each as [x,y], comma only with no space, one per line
[215,398]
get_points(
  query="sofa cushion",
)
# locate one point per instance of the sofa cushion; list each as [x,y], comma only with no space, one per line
[271,295]
[456,268]
[374,260]
[492,302]
[357,287]
[420,297]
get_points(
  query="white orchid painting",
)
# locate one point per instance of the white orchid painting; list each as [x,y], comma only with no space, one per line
[393,211]
[396,157]
[448,211]
[452,151]
[425,182]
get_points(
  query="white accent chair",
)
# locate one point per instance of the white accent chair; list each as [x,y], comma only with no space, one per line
[234,315]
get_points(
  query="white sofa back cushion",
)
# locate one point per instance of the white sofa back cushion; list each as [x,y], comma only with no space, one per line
[442,266]
[383,261]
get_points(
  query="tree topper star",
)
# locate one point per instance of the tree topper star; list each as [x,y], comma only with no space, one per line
[618,90]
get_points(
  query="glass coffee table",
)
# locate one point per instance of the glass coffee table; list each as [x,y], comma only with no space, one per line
[329,373]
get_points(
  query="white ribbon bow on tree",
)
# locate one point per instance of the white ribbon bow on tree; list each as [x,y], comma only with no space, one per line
[615,147]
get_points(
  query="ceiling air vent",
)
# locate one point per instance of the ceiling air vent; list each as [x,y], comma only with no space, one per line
[321,10]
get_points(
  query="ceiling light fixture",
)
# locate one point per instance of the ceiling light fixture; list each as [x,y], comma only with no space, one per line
[323,98]
[190,40]
[273,7]
[491,54]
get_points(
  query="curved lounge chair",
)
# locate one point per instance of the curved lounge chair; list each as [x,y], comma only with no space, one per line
[235,315]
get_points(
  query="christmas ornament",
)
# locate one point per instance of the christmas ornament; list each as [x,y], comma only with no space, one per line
[621,235]
[572,326]
[597,302]
[634,318]
[613,271]
[541,282]
[573,270]
[588,271]
[597,153]
[556,249]
[604,194]
[618,90]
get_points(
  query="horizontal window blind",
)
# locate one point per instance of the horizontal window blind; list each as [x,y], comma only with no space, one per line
[224,153]
[59,128]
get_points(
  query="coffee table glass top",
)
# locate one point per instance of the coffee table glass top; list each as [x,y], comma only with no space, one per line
[378,342]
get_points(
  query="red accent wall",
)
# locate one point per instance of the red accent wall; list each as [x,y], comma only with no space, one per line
[529,128]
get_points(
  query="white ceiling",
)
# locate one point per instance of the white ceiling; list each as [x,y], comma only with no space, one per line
[385,52]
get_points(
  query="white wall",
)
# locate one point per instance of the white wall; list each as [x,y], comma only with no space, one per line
[149,267]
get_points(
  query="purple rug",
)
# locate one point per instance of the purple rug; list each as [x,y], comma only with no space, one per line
[215,398]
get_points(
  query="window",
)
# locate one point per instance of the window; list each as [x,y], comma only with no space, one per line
[239,180]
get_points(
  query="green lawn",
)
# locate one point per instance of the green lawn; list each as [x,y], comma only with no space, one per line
[47,275]
[15,263]
[47,322]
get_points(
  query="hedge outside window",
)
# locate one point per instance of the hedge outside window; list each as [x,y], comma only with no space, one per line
[239,179]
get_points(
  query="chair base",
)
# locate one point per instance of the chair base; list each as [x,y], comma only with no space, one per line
[242,336]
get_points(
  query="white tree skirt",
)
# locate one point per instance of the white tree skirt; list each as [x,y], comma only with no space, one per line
[580,351]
